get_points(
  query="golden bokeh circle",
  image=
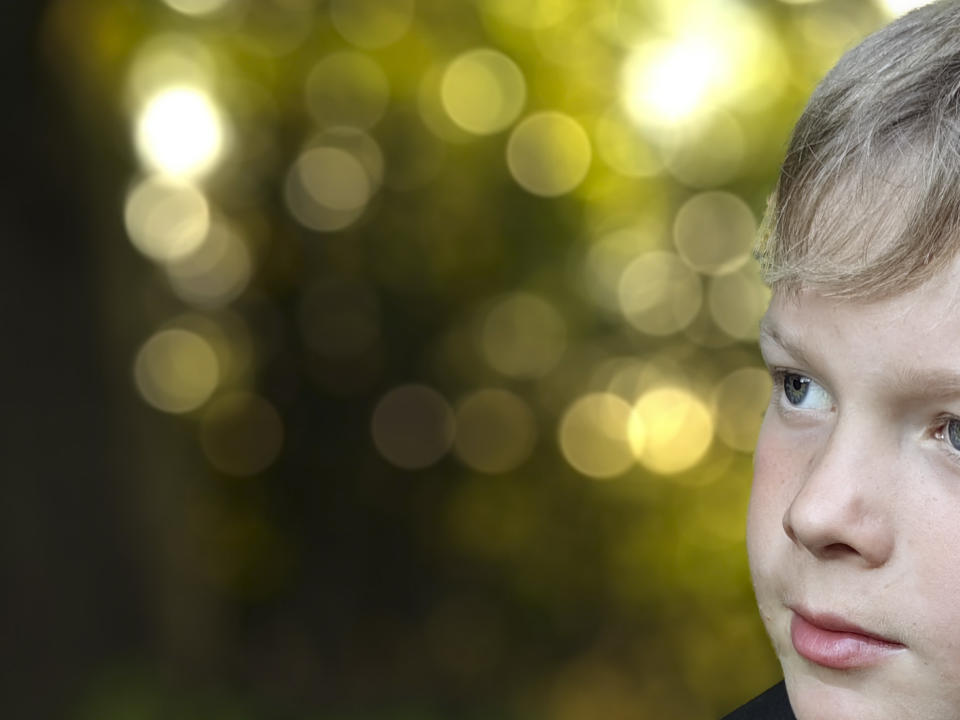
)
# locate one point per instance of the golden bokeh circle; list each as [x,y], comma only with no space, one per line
[413,426]
[659,294]
[549,154]
[496,431]
[241,433]
[714,232]
[607,257]
[595,435]
[741,399]
[166,220]
[483,91]
[356,143]
[215,273]
[334,178]
[679,429]
[327,188]
[180,131]
[176,370]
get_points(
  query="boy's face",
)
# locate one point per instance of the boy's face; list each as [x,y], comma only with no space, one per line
[854,523]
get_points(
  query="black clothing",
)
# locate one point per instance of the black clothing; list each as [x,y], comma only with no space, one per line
[771,705]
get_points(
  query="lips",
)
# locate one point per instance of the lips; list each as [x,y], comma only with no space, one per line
[832,642]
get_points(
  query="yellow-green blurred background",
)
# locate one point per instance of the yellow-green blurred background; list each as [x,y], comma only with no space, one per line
[388,359]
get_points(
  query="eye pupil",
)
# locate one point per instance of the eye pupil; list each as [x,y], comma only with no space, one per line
[795,388]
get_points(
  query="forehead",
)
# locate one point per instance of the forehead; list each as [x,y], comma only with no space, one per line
[913,332]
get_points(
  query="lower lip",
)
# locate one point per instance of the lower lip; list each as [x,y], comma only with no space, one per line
[838,649]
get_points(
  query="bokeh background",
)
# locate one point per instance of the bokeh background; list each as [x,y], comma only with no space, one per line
[376,359]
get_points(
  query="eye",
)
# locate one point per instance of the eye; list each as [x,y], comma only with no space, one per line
[804,393]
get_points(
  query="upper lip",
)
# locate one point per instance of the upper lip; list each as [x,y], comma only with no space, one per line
[837,623]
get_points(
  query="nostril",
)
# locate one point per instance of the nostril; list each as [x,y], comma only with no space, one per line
[837,550]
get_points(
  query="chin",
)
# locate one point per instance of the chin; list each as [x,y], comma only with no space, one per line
[813,699]
[821,695]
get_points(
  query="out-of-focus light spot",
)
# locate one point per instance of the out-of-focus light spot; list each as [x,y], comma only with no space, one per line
[624,149]
[181,132]
[665,83]
[358,144]
[895,8]
[706,153]
[523,336]
[496,431]
[176,371]
[347,88]
[372,24]
[230,338]
[532,14]
[166,220]
[334,178]
[241,433]
[738,301]
[711,54]
[340,318]
[595,435]
[168,60]
[714,232]
[197,7]
[549,154]
[215,273]
[327,189]
[659,294]
[741,399]
[483,91]
[607,258]
[413,426]
[679,430]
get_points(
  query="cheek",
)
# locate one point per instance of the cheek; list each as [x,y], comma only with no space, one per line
[767,497]
[769,478]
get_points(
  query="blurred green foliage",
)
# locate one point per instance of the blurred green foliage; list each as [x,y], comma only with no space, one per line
[332,530]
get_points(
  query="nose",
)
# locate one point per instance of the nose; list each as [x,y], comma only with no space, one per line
[842,507]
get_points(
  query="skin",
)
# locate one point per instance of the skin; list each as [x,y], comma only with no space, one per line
[855,508]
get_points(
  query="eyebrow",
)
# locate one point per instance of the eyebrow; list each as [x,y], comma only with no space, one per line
[907,381]
[770,332]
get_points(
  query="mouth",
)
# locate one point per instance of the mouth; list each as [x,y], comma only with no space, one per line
[832,642]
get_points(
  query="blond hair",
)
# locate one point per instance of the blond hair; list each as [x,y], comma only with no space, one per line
[868,199]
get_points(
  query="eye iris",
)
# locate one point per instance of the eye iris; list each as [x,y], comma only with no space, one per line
[795,388]
[953,433]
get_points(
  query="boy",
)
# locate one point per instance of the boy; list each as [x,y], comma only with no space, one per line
[853,530]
